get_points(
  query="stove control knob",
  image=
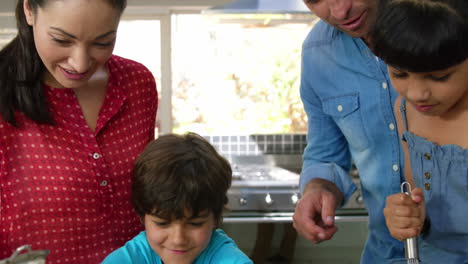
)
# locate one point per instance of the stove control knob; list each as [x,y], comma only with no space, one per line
[359,199]
[294,198]
[268,199]
[243,201]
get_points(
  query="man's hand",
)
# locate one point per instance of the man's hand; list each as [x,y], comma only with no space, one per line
[315,211]
[405,215]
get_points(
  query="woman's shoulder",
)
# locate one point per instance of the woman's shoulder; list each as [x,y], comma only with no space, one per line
[131,75]
[124,66]
[6,130]
[3,131]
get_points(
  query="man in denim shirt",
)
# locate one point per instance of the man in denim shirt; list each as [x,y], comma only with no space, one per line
[349,103]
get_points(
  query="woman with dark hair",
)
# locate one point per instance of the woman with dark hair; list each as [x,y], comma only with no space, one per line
[425,45]
[73,118]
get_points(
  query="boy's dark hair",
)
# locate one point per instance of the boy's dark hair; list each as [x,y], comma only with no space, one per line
[421,35]
[179,172]
[21,70]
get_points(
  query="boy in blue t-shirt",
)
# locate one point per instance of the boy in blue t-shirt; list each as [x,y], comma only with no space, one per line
[179,191]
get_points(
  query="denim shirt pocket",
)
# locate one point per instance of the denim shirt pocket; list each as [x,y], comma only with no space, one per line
[345,111]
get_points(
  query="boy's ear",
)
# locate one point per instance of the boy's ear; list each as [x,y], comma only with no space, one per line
[28,13]
[218,223]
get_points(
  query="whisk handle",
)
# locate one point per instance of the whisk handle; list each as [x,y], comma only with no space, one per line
[411,248]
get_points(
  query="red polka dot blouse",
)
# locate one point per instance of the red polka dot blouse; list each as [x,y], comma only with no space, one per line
[66,188]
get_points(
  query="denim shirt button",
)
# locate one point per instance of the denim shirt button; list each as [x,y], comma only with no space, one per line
[339,108]
[427,175]
[384,85]
[391,126]
[427,186]
[395,167]
[427,156]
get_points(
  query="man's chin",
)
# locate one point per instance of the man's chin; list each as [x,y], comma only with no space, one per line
[355,33]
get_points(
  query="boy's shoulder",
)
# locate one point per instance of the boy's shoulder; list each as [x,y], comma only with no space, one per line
[136,250]
[222,249]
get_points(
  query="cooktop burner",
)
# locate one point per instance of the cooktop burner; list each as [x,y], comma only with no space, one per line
[263,175]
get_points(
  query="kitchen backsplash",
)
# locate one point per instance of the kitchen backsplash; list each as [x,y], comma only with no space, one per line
[259,144]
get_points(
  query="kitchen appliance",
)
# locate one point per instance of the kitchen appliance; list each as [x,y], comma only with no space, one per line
[263,188]
[25,255]
[266,188]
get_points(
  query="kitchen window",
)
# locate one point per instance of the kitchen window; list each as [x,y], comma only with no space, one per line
[236,74]
[140,40]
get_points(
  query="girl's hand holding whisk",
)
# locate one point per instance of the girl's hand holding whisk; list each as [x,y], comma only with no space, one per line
[404,214]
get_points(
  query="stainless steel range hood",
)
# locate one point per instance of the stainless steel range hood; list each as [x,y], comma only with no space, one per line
[260,6]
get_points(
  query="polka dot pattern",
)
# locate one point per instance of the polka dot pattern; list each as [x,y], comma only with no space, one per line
[66,188]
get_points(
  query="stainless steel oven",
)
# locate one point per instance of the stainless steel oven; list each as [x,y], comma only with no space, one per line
[265,189]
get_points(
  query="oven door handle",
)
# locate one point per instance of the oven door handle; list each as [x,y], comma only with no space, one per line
[282,218]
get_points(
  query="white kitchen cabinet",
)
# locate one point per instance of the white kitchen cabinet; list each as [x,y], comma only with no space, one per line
[345,248]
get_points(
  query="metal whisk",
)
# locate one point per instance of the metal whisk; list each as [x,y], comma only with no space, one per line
[411,244]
